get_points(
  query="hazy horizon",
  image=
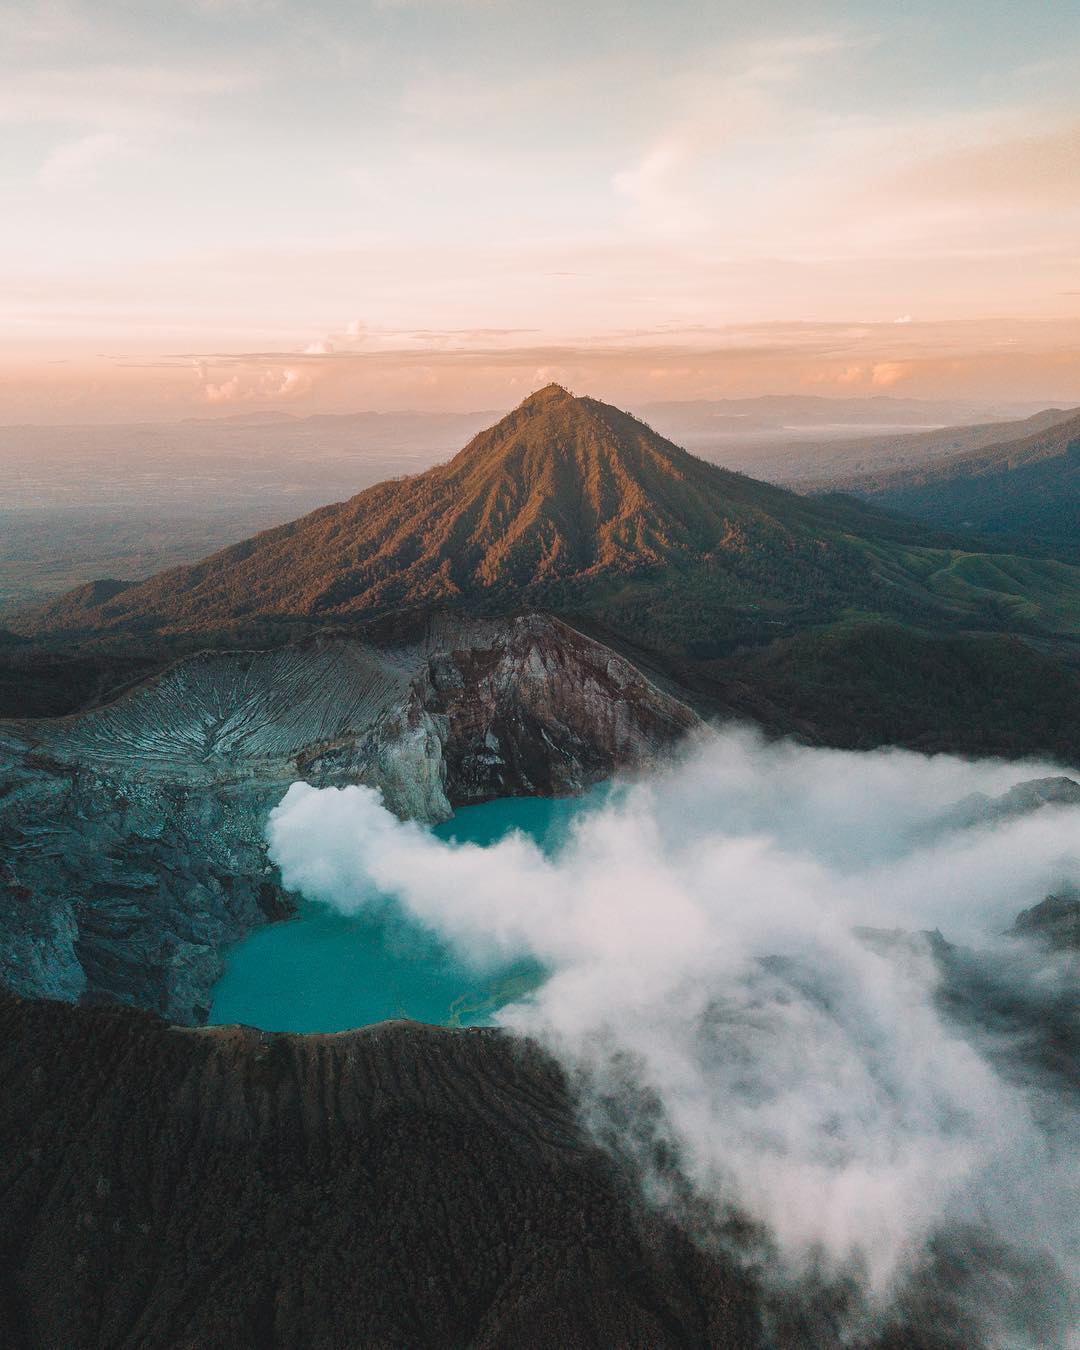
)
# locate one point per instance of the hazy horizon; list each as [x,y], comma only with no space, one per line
[879,407]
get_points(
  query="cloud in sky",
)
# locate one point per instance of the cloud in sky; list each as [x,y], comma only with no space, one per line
[700,931]
[738,103]
[491,367]
[716,168]
[122,98]
[1029,169]
[267,385]
[980,370]
[75,163]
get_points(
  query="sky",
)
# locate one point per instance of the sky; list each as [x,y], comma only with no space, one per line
[212,206]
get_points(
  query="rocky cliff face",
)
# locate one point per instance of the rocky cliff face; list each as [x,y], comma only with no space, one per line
[131,837]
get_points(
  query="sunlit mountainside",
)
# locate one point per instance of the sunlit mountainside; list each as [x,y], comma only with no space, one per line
[822,616]
[570,503]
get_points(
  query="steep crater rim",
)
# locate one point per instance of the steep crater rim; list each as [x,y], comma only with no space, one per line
[132,836]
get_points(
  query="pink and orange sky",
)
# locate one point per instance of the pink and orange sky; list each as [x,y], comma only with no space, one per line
[210,206]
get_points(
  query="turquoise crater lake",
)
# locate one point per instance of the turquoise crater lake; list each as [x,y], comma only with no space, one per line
[326,971]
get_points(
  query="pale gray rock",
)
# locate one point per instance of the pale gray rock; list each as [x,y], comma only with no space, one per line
[132,845]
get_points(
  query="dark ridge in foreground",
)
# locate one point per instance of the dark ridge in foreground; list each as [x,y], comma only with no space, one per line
[400,1186]
[395,1187]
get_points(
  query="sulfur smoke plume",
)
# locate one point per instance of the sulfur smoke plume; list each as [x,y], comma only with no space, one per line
[727,981]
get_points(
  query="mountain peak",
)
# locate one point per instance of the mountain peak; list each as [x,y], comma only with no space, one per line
[562,497]
[550,393]
[551,398]
[581,441]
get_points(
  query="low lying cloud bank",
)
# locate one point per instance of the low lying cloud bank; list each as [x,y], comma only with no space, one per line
[868,1103]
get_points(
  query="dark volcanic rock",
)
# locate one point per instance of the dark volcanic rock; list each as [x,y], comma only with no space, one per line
[1055,920]
[1021,799]
[399,1186]
[131,836]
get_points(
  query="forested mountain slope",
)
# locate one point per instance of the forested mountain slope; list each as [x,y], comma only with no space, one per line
[1028,488]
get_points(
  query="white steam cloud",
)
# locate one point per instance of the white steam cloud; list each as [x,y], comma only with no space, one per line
[700,930]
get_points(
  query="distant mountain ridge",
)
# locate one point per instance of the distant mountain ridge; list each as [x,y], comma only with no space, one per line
[777,409]
[1027,486]
[830,466]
